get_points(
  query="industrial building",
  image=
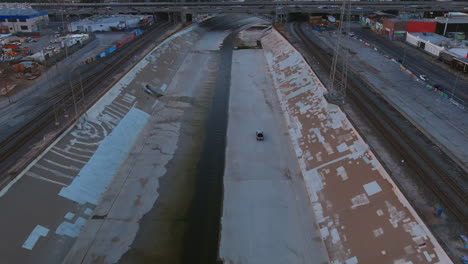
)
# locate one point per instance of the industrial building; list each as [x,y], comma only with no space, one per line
[375,21]
[456,57]
[14,20]
[453,25]
[454,22]
[394,27]
[429,42]
[109,23]
[422,26]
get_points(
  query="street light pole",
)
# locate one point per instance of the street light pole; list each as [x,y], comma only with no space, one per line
[404,55]
[446,23]
[455,84]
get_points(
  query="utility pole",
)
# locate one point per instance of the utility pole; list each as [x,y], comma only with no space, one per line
[455,84]
[70,72]
[446,24]
[339,69]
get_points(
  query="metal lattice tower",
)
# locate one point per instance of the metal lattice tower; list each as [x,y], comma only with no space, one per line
[339,69]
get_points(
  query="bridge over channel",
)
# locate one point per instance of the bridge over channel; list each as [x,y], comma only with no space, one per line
[257,7]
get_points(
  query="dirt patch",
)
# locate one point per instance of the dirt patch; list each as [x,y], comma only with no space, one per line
[12,81]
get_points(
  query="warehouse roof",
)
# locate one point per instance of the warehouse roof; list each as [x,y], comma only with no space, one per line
[453,20]
[458,52]
[110,19]
[431,37]
[7,13]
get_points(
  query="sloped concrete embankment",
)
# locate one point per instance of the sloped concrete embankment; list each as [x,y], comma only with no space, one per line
[123,180]
[361,214]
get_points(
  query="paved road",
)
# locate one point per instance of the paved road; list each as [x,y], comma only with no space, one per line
[266,212]
[417,62]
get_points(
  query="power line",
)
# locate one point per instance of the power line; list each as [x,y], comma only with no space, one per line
[339,69]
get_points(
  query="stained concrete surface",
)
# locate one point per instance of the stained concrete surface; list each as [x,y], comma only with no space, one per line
[148,162]
[34,198]
[113,219]
[445,228]
[267,216]
[362,215]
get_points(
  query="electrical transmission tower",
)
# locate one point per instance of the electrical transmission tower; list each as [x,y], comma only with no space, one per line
[339,69]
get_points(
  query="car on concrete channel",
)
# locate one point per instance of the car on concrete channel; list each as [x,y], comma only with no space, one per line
[259,135]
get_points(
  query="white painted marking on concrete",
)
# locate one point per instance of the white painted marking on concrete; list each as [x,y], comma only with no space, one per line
[352,260]
[318,211]
[414,229]
[120,107]
[395,215]
[154,105]
[5,190]
[69,216]
[67,157]
[34,175]
[71,229]
[299,92]
[342,147]
[372,188]
[68,147]
[324,232]
[34,237]
[92,144]
[117,110]
[342,173]
[109,112]
[378,232]
[359,200]
[428,257]
[126,107]
[314,182]
[70,153]
[317,132]
[128,98]
[61,165]
[335,236]
[95,177]
[54,172]
[303,108]
[88,211]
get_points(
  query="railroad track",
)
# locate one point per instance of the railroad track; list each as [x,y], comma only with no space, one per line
[448,185]
[84,93]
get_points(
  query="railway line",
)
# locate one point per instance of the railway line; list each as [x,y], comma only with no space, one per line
[441,175]
[75,100]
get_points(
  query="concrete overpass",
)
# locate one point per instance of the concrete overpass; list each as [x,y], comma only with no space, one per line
[261,7]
